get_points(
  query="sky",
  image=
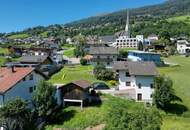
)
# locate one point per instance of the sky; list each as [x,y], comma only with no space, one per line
[16,15]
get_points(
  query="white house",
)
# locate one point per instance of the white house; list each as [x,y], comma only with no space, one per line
[153,37]
[18,82]
[137,79]
[183,46]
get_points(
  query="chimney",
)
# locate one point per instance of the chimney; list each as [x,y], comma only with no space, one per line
[13,69]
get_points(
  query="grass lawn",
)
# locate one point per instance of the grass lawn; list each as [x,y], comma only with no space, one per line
[171,121]
[69,52]
[69,74]
[4,50]
[181,79]
[183,18]
[21,36]
[73,118]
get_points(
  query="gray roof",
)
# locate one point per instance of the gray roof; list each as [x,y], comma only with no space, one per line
[33,59]
[103,50]
[137,68]
[107,39]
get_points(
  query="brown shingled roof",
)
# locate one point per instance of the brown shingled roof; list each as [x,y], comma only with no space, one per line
[82,83]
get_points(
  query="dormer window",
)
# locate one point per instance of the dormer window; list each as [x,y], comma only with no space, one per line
[127,74]
[31,77]
[139,85]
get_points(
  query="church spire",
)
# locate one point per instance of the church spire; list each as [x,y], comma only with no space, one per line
[127,27]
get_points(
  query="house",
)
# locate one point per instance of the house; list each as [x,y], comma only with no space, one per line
[153,38]
[18,82]
[144,56]
[77,91]
[183,46]
[109,39]
[137,79]
[43,64]
[103,55]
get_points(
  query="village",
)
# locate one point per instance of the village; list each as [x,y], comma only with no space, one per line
[89,74]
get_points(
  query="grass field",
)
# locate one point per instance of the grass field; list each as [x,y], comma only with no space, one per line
[184,18]
[69,74]
[171,121]
[21,36]
[181,80]
[4,50]
[72,118]
[69,52]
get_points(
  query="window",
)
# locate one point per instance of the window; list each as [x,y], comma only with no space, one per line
[127,74]
[31,77]
[139,85]
[151,86]
[108,57]
[128,83]
[34,87]
[139,97]
[108,63]
[30,89]
[98,57]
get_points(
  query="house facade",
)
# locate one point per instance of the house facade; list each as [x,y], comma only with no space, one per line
[18,82]
[137,79]
[103,55]
[183,46]
[144,56]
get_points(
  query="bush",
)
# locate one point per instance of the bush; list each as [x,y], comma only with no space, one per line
[113,82]
[164,93]
[83,61]
[101,73]
[121,119]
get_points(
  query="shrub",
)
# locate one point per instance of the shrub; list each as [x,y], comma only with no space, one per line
[83,61]
[164,93]
[113,82]
[101,73]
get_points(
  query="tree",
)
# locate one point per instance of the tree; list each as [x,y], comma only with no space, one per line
[83,61]
[164,92]
[44,99]
[144,119]
[102,73]
[15,115]
[123,53]
[140,46]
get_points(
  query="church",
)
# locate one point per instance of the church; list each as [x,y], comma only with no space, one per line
[125,40]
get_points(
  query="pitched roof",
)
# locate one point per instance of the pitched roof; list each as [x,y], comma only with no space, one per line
[137,68]
[8,78]
[103,50]
[33,59]
[82,83]
[108,38]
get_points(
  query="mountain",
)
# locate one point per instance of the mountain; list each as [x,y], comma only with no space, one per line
[167,9]
[144,20]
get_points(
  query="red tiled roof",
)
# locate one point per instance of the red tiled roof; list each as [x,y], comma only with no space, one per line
[8,78]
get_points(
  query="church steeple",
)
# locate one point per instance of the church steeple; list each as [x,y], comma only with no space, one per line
[127,27]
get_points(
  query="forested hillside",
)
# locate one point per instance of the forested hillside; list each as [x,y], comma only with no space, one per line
[144,20]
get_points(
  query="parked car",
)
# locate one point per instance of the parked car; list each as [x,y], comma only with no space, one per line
[99,86]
